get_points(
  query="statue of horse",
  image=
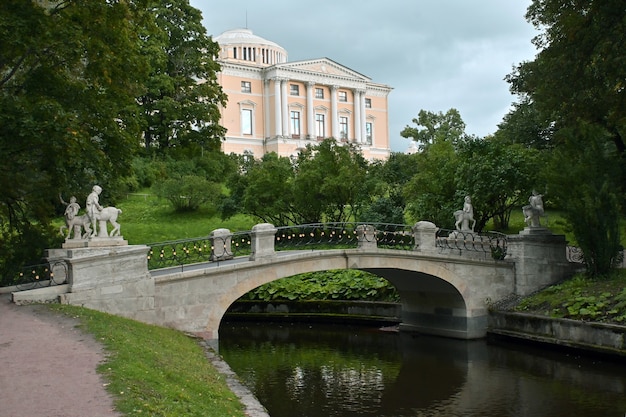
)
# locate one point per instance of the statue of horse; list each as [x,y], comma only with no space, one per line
[532,216]
[82,221]
[109,214]
[462,219]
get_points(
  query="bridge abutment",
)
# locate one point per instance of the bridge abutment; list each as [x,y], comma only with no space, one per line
[114,279]
[540,259]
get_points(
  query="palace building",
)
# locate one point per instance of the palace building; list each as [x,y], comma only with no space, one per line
[279,106]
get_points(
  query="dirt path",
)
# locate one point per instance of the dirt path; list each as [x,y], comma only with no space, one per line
[48,366]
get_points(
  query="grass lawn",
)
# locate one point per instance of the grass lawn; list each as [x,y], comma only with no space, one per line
[154,371]
[147,219]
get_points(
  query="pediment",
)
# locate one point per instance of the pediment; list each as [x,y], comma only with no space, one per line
[323,66]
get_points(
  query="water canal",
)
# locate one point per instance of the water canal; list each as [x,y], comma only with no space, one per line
[322,370]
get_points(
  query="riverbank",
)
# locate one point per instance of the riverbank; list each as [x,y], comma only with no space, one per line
[591,337]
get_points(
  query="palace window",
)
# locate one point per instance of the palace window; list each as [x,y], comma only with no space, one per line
[295,124]
[320,126]
[294,89]
[246,121]
[319,93]
[343,96]
[343,128]
[368,132]
[368,103]
[246,87]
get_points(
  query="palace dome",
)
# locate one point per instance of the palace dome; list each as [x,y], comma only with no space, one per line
[243,45]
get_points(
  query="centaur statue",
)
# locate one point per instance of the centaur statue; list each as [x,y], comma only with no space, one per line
[465,216]
[100,215]
[94,222]
[534,211]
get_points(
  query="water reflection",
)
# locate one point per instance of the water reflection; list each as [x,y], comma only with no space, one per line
[323,370]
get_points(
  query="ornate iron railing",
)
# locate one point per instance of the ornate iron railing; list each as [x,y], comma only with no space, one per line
[494,243]
[39,275]
[343,235]
[317,236]
[196,250]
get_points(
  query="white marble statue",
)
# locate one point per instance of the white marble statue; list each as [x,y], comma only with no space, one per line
[463,217]
[534,211]
[99,215]
[73,222]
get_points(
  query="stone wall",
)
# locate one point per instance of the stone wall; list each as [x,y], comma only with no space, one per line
[594,337]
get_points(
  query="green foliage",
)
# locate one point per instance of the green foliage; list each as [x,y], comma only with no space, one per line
[266,190]
[582,298]
[524,126]
[431,194]
[385,210]
[385,182]
[329,182]
[155,371]
[327,285]
[435,128]
[586,184]
[326,183]
[578,73]
[176,109]
[501,176]
[189,192]
[67,107]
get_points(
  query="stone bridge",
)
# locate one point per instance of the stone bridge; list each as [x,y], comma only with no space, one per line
[444,289]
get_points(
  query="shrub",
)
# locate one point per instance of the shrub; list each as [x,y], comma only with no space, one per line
[189,192]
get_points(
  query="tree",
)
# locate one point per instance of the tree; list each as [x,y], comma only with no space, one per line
[576,85]
[68,83]
[584,184]
[523,125]
[578,73]
[181,104]
[268,192]
[431,194]
[330,181]
[386,180]
[436,127]
[498,176]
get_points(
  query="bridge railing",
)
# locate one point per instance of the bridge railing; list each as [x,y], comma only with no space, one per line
[344,235]
[215,247]
[37,276]
[222,245]
[494,243]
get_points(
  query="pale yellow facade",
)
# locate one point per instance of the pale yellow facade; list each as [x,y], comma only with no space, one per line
[280,106]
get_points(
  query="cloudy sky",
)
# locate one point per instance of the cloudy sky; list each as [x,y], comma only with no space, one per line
[435,54]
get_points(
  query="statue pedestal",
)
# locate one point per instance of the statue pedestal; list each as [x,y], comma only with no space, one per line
[535,231]
[94,242]
[113,279]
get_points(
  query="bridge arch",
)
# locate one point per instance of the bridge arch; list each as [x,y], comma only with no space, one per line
[437,297]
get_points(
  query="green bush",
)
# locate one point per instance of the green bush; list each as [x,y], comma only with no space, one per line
[189,192]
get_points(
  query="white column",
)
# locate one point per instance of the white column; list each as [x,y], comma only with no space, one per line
[266,107]
[333,112]
[285,107]
[310,122]
[278,121]
[363,116]
[357,116]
